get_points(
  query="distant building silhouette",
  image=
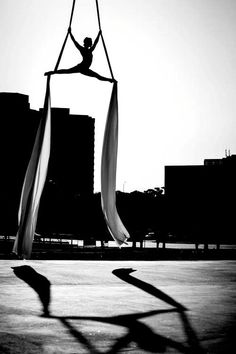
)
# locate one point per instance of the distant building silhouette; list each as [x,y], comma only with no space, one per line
[201,199]
[71,165]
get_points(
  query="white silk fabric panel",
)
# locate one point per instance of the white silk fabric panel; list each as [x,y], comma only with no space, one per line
[108,173]
[34,183]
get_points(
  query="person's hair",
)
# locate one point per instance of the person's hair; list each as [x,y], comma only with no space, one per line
[88,41]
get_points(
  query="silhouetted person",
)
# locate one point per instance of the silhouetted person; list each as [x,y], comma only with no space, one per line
[87,54]
[37,282]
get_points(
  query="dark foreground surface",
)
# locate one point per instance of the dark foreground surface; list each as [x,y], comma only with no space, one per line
[162,307]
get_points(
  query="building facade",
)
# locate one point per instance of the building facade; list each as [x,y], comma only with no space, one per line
[71,164]
[201,199]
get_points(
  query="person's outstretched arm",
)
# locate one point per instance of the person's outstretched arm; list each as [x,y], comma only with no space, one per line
[78,46]
[96,40]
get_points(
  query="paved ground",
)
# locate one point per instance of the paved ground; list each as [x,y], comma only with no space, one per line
[163,307]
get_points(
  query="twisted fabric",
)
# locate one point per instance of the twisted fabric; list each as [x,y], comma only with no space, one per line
[36,173]
[109,161]
[34,182]
[37,168]
[108,173]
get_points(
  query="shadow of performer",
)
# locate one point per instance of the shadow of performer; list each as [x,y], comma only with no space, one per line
[38,282]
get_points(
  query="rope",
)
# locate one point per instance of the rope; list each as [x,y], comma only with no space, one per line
[67,34]
[72,12]
[65,40]
[103,41]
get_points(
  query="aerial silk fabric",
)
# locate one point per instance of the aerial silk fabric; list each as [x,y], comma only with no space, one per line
[34,183]
[108,173]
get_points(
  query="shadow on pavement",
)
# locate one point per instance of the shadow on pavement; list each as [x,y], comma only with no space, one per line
[124,274]
[193,342]
[36,281]
[137,332]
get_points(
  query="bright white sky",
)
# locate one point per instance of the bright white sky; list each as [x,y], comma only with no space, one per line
[175,63]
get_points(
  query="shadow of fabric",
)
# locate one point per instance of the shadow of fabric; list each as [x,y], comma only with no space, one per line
[36,281]
[193,342]
[138,332]
[79,336]
[124,274]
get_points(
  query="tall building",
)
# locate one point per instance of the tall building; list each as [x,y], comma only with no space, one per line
[71,165]
[201,199]
[18,124]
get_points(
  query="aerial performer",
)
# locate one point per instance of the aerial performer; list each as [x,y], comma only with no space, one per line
[36,172]
[87,54]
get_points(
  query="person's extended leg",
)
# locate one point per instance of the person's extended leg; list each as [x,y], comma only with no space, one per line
[78,69]
[92,73]
[72,70]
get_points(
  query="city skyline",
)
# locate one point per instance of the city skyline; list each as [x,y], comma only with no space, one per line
[174,61]
[17,98]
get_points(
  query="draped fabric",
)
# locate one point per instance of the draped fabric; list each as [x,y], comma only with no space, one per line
[108,173]
[34,183]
